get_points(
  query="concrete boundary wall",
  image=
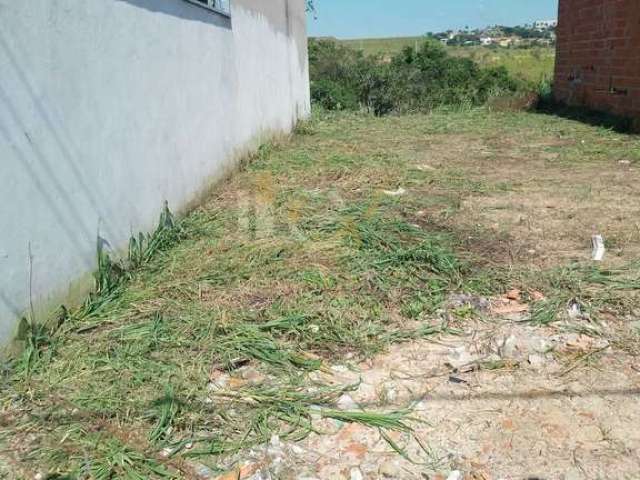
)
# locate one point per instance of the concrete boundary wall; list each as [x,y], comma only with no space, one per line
[110,107]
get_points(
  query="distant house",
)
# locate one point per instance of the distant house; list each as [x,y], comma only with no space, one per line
[110,108]
[545,24]
[486,41]
[506,41]
[598,55]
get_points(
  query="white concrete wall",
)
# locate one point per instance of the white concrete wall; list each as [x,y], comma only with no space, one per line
[110,107]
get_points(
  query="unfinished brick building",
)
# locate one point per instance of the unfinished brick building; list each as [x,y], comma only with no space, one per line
[598,58]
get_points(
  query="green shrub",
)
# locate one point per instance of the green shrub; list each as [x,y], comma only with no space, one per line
[417,79]
[333,95]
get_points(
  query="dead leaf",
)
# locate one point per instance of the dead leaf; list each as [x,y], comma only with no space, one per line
[513,294]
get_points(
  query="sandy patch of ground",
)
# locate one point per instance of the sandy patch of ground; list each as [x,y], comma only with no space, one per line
[499,400]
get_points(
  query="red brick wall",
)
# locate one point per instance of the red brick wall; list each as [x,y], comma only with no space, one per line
[598,57]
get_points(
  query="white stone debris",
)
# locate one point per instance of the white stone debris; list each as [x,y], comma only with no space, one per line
[345,402]
[356,474]
[455,475]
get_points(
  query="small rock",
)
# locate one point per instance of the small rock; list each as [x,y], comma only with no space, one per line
[389,470]
[219,382]
[203,472]
[541,344]
[455,475]
[340,368]
[297,449]
[366,393]
[275,450]
[252,376]
[590,433]
[356,474]
[574,310]
[421,406]
[261,476]
[461,300]
[460,357]
[345,402]
[166,452]
[388,393]
[537,296]
[537,361]
[508,348]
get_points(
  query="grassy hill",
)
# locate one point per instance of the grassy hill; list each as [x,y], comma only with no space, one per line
[384,46]
[531,64]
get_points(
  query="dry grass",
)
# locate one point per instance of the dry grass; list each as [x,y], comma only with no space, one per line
[302,258]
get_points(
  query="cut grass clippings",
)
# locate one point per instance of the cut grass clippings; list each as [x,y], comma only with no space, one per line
[295,262]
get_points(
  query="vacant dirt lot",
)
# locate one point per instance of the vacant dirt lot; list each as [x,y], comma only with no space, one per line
[405,297]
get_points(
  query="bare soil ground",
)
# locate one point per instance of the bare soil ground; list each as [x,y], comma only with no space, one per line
[524,402]
[375,298]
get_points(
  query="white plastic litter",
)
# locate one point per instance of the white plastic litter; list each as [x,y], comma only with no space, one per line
[598,249]
[396,193]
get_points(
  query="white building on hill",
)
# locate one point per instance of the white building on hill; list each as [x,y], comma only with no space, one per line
[545,24]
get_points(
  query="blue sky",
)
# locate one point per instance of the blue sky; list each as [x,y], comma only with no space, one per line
[388,18]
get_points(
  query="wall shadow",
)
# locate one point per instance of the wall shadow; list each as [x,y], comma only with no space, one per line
[588,116]
[183,10]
